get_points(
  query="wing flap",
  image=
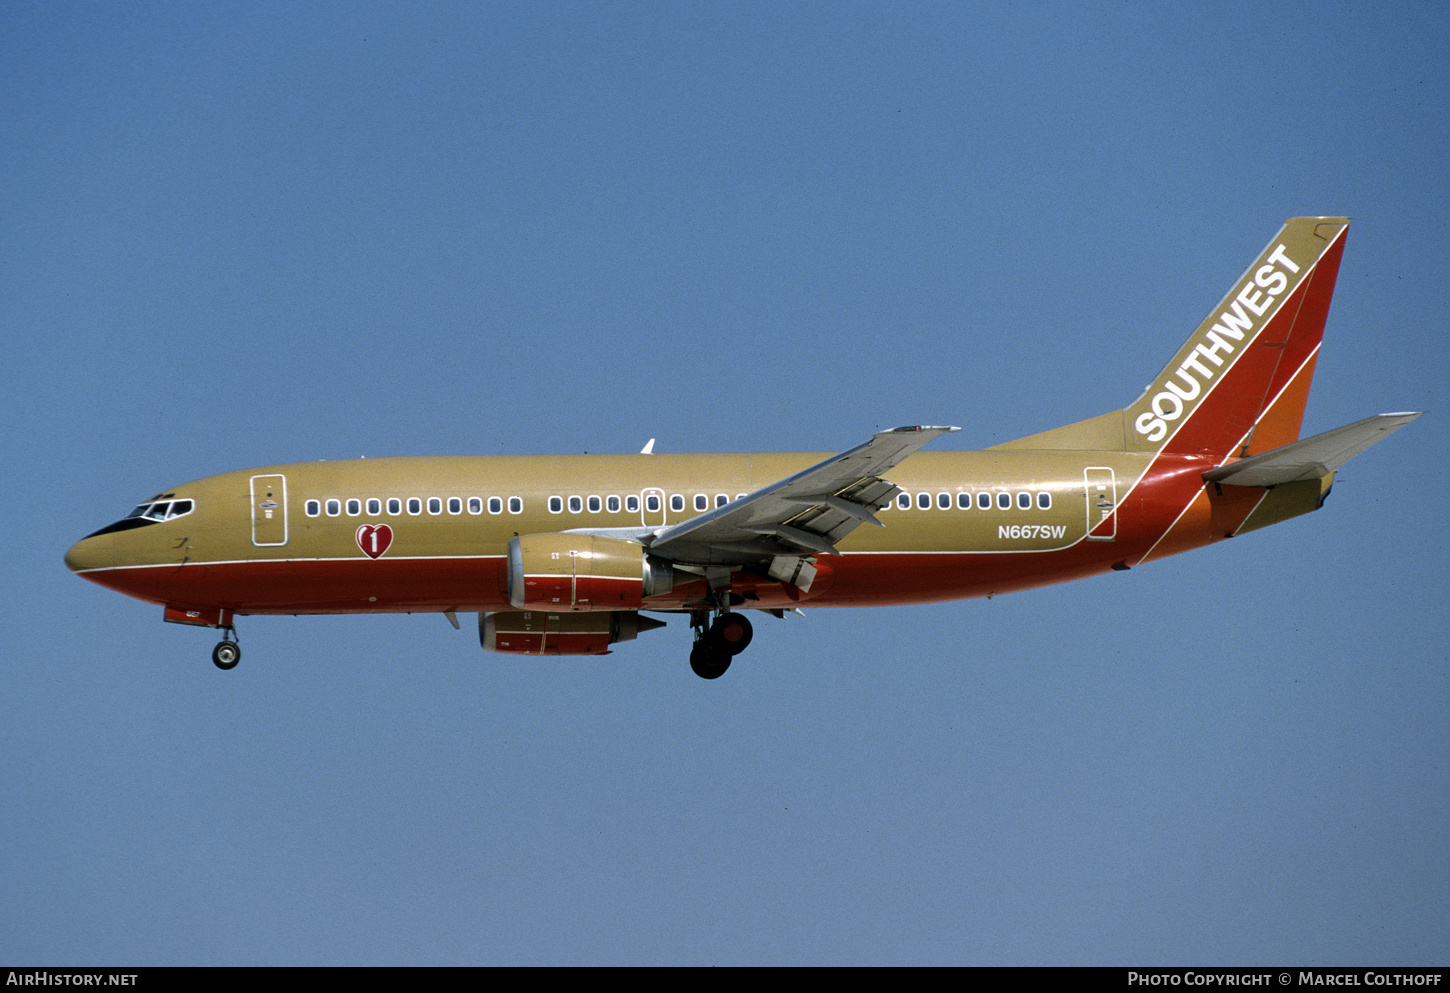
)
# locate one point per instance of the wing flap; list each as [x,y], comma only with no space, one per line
[1311,458]
[811,510]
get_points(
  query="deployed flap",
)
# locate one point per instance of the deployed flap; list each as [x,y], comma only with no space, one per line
[809,511]
[1311,458]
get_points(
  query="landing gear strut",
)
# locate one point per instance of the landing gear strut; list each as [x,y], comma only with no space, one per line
[718,644]
[228,651]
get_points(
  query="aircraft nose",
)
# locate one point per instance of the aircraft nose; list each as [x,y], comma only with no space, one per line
[89,553]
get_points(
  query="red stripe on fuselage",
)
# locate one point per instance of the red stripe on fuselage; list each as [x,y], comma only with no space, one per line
[437,584]
[311,586]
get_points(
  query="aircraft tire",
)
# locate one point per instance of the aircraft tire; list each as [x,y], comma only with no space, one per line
[732,632]
[708,659]
[226,654]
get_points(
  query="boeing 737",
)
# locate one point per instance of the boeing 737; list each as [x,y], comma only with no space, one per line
[560,554]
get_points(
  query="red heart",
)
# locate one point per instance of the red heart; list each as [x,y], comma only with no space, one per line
[374,539]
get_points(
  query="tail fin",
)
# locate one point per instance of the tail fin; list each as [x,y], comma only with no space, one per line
[1237,386]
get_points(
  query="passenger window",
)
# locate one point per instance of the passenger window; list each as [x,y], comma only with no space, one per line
[395,506]
[435,505]
[475,505]
[903,500]
[652,503]
[594,505]
[923,501]
[354,507]
[556,505]
[312,508]
[334,507]
[375,506]
[1004,501]
[1044,501]
[455,505]
[631,504]
[611,504]
[741,496]
[1024,501]
[415,506]
[702,502]
[495,505]
[721,499]
[984,501]
[677,502]
[944,501]
[575,505]
[964,501]
[516,505]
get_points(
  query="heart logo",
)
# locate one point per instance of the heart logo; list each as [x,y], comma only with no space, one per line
[374,539]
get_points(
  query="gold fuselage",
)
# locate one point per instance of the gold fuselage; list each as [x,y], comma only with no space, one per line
[968,524]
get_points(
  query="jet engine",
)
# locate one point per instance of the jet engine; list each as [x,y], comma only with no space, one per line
[570,572]
[544,632]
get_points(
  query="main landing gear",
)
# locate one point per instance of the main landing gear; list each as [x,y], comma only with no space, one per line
[228,651]
[716,646]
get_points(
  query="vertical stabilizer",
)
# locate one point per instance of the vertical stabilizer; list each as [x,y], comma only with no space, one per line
[1252,356]
[1239,384]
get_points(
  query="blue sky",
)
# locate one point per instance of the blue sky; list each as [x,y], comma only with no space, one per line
[236,235]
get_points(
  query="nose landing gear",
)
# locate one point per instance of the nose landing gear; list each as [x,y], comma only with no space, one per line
[228,651]
[716,646]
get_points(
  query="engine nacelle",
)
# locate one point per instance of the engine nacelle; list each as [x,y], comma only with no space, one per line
[583,572]
[545,632]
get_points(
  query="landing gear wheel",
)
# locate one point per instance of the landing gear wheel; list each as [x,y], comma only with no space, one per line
[226,654]
[709,659]
[732,632]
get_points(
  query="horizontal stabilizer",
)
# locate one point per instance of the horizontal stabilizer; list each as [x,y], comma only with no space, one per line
[1311,458]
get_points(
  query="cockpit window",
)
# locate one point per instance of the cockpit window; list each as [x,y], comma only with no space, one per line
[162,510]
[151,512]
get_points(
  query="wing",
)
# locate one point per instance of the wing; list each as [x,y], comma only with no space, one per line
[805,513]
[1311,458]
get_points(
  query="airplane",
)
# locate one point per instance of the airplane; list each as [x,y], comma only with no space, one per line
[560,554]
